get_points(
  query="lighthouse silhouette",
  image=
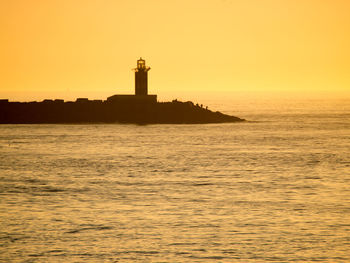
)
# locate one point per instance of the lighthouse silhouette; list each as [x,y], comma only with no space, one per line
[141,78]
[141,96]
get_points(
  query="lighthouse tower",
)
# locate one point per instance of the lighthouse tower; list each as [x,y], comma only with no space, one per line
[141,96]
[141,77]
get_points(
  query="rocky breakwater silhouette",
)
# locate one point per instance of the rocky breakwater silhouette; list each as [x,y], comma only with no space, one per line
[130,110]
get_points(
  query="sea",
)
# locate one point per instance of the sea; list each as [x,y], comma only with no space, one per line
[275,188]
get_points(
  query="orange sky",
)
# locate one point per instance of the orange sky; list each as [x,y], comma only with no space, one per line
[196,48]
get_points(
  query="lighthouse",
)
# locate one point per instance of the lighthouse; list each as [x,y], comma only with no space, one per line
[141,96]
[141,71]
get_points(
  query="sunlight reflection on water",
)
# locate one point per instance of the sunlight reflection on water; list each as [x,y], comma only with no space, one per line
[272,191]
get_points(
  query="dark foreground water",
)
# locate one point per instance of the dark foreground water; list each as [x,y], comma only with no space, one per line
[273,190]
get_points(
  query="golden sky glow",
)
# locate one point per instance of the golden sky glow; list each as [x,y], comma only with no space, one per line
[87,48]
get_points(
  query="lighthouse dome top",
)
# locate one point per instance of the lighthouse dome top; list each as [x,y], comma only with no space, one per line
[141,65]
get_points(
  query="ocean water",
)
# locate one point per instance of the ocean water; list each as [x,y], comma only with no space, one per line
[273,189]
